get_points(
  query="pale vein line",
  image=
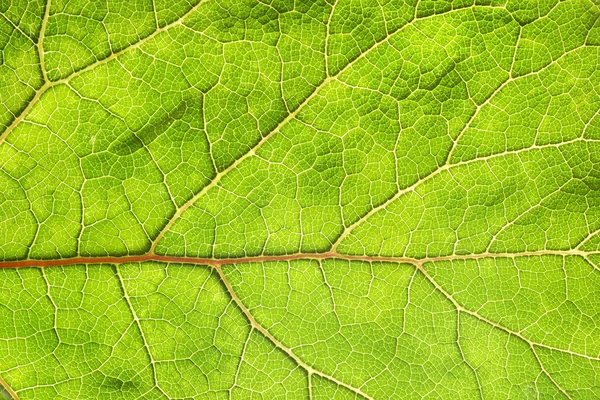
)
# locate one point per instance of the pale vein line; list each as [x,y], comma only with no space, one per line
[40,43]
[155,14]
[538,204]
[593,265]
[309,369]
[55,323]
[462,355]
[237,162]
[30,209]
[139,327]
[509,80]
[136,45]
[476,315]
[514,57]
[16,27]
[218,177]
[239,366]
[597,231]
[327,37]
[89,67]
[418,263]
[8,389]
[25,111]
[420,267]
[537,358]
[448,165]
[275,130]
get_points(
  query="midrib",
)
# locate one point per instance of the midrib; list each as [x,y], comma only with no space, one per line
[273,258]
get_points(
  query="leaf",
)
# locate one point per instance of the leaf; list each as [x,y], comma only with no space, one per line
[300,199]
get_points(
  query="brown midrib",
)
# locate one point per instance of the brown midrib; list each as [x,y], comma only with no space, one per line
[284,257]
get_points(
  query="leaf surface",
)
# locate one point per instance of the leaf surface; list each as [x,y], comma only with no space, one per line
[300,199]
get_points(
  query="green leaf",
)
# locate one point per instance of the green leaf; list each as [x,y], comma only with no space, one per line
[324,199]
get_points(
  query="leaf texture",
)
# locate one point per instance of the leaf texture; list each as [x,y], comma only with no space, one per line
[324,199]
